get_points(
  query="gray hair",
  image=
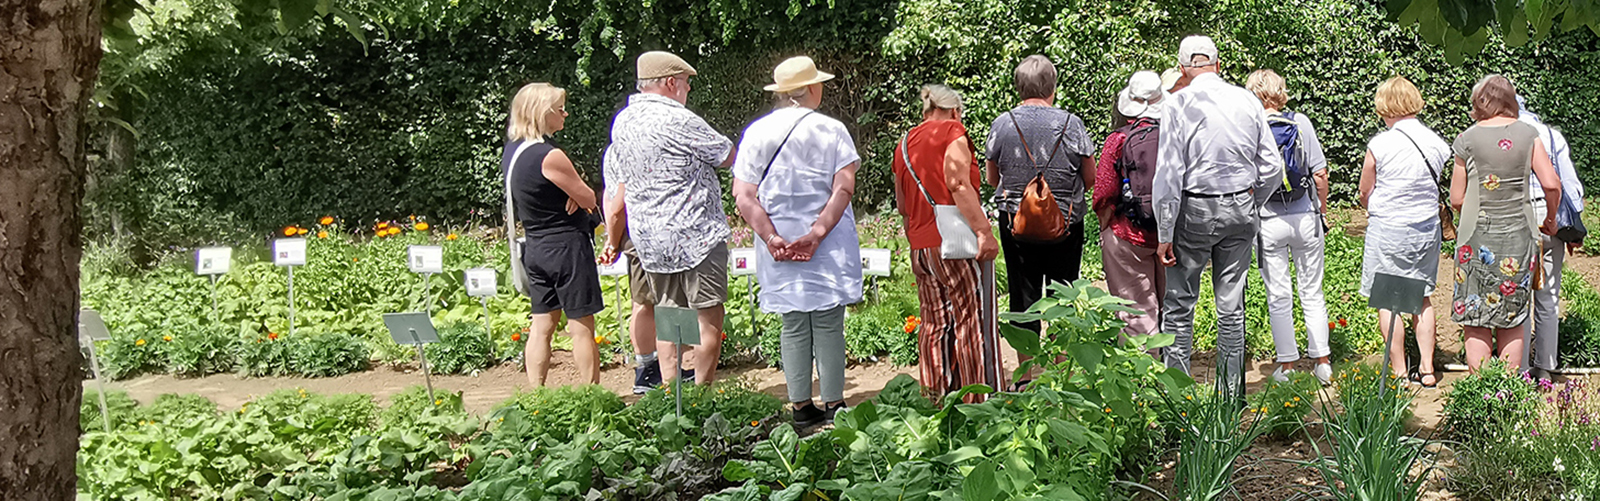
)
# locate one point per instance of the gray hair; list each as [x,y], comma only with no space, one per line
[935,96]
[650,83]
[792,98]
[1036,78]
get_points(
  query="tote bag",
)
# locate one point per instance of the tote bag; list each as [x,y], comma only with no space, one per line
[956,238]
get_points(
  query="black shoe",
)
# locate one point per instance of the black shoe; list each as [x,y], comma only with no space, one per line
[809,415]
[687,375]
[646,376]
[832,410]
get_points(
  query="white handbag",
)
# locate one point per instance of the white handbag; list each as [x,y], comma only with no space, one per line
[519,276]
[956,238]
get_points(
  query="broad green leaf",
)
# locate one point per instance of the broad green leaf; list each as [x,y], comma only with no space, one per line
[980,484]
[959,455]
[1024,341]
[1088,355]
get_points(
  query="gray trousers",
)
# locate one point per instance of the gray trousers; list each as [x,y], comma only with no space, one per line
[1544,330]
[1218,231]
[813,336]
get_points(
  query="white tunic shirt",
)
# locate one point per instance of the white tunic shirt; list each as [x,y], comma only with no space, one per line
[793,192]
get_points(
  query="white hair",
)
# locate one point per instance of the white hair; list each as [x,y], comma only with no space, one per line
[793,98]
[650,83]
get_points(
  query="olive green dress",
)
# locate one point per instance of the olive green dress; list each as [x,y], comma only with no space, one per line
[1497,237]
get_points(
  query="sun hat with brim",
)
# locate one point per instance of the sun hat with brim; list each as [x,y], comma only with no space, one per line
[1143,86]
[794,73]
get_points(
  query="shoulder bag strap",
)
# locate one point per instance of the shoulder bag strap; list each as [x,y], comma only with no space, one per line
[518,276]
[1438,179]
[784,142]
[1060,138]
[913,171]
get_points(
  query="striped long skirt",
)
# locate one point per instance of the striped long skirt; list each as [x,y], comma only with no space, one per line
[958,342]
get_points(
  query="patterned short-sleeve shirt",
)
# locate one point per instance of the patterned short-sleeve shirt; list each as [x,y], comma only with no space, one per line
[667,156]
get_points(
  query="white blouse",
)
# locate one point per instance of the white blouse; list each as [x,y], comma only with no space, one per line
[1406,192]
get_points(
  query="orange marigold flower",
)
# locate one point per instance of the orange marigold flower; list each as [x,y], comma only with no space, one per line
[755,424]
[289,231]
[1343,322]
[600,339]
[326,220]
[394,230]
[302,231]
[451,236]
[516,337]
[423,226]
[383,225]
[272,335]
[322,234]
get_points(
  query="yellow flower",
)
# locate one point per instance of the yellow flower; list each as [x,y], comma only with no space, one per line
[1108,410]
[302,231]
[438,402]
[326,220]
[1491,183]
[536,412]
[322,234]
[755,424]
[1491,298]
[166,338]
[290,231]
[451,236]
[1297,399]
[139,342]
[1184,414]
[422,227]
[1189,397]
[600,339]
[1508,266]
[1287,404]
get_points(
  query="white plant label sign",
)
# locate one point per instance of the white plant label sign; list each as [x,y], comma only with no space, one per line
[742,261]
[615,269]
[425,259]
[876,262]
[289,252]
[481,282]
[213,260]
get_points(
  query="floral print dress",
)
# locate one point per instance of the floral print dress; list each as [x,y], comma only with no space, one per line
[1498,235]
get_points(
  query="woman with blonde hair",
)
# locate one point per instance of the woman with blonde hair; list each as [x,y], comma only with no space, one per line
[935,163]
[555,208]
[1400,178]
[1496,262]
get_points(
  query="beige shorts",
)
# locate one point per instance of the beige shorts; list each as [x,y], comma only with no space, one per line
[704,286]
[638,281]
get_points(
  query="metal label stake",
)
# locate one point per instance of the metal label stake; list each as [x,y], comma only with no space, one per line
[92,328]
[1399,295]
[289,253]
[682,326]
[414,329]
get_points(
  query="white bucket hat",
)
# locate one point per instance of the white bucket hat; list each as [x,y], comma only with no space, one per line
[1142,97]
[794,73]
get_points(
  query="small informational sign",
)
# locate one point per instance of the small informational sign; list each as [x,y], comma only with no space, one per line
[481,282]
[289,252]
[213,260]
[92,327]
[742,261]
[616,268]
[1397,294]
[410,328]
[876,262]
[425,259]
[677,325]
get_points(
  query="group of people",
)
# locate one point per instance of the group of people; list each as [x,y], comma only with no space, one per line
[1197,172]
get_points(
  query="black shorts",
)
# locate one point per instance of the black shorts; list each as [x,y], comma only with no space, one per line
[562,274]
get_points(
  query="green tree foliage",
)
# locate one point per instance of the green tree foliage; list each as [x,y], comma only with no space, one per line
[240,129]
[1464,27]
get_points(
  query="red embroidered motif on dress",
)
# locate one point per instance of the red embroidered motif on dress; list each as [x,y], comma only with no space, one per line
[1505,144]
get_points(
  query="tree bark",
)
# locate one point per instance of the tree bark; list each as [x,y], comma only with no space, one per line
[49,57]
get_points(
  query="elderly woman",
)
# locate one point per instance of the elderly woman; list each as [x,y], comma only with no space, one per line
[1400,189]
[1291,230]
[1036,138]
[555,208]
[793,178]
[1496,263]
[1127,233]
[935,163]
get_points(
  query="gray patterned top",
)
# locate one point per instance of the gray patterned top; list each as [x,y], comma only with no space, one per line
[1043,125]
[668,158]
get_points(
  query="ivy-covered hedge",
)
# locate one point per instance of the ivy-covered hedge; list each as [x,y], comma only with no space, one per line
[239,130]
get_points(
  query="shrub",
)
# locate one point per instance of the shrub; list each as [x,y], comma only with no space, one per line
[327,355]
[1580,328]
[412,404]
[127,354]
[196,350]
[1555,457]
[178,410]
[1489,402]
[462,348]
[737,400]
[563,411]
[265,355]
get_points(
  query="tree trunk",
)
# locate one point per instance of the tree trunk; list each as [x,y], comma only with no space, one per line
[49,57]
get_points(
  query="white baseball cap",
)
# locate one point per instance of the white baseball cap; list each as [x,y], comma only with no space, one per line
[1197,45]
[1142,97]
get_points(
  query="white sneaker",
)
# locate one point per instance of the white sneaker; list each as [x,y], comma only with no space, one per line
[1324,373]
[1280,375]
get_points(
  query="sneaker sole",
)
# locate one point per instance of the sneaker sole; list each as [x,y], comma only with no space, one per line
[640,390]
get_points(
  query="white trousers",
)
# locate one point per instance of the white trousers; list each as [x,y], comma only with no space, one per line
[1297,237]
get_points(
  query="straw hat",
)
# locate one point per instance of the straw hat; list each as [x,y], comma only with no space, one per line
[794,73]
[1144,86]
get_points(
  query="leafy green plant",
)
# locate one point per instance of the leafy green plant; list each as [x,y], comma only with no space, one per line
[1212,437]
[1371,456]
[119,410]
[1285,404]
[265,355]
[1489,402]
[128,354]
[195,350]
[737,400]
[462,348]
[326,355]
[1579,332]
[560,412]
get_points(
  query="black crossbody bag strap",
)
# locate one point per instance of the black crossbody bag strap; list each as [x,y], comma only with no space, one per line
[780,145]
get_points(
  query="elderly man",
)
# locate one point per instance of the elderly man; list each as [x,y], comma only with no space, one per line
[1542,335]
[1217,165]
[663,160]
